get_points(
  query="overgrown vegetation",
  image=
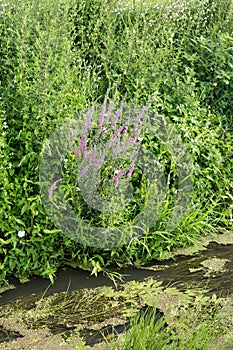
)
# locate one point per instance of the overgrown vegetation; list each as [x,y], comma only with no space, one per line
[59,57]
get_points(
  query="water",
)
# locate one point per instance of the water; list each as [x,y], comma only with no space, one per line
[171,272]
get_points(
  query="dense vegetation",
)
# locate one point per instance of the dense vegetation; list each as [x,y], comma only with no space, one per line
[57,58]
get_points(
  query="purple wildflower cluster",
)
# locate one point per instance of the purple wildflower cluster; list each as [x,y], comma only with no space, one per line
[115,141]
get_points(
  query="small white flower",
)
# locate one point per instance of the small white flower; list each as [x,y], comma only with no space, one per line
[21,234]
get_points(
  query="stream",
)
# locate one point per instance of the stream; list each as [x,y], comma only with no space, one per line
[182,272]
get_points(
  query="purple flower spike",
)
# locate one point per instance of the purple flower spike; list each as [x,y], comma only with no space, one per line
[110,108]
[136,135]
[76,151]
[83,139]
[116,150]
[131,169]
[117,115]
[101,120]
[88,120]
[129,142]
[52,189]
[116,133]
[113,138]
[85,154]
[126,129]
[119,175]
[138,118]
[83,132]
[83,172]
[82,145]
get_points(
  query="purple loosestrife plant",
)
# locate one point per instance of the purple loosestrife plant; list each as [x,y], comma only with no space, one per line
[115,135]
[82,145]
[83,171]
[88,120]
[121,138]
[114,140]
[116,179]
[110,108]
[117,115]
[116,149]
[83,140]
[138,118]
[131,169]
[52,188]
[125,130]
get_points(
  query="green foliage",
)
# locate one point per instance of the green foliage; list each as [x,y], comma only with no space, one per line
[144,334]
[58,57]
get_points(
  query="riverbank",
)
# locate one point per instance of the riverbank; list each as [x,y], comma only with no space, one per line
[191,287]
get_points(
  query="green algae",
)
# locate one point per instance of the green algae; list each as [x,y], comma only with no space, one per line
[70,316]
[225,238]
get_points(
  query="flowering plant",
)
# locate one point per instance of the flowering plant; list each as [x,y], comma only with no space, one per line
[100,167]
[111,173]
